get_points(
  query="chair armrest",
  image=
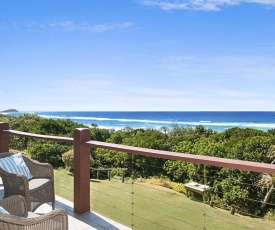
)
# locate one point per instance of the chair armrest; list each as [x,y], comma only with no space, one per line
[56,219]
[51,218]
[15,205]
[38,169]
[14,184]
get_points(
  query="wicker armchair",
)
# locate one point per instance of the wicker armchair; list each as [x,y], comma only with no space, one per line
[20,219]
[38,190]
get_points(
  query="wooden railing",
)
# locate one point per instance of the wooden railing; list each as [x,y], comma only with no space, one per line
[82,144]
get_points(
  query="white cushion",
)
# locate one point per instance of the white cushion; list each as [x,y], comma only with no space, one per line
[30,215]
[2,210]
[15,164]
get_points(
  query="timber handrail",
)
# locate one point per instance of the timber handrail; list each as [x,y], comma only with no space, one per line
[40,136]
[192,158]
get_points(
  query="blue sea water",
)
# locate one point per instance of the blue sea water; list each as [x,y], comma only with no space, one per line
[217,121]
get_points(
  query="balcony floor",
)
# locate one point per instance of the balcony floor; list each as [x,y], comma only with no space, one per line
[86,221]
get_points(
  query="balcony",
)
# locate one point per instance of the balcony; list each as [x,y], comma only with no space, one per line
[87,221]
[128,204]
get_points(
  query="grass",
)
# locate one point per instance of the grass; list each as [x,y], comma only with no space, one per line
[155,207]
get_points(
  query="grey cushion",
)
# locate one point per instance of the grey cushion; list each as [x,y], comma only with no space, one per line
[35,184]
[30,215]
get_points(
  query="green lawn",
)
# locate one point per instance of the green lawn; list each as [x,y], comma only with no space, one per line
[155,207]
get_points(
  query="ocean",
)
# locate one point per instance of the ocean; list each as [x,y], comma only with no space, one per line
[218,121]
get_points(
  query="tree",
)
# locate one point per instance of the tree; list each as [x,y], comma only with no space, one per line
[266,180]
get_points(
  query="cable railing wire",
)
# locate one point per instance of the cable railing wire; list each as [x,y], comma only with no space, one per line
[122,220]
[171,217]
[165,203]
[158,224]
[146,208]
[94,200]
[135,194]
[226,221]
[107,204]
[238,208]
[206,178]
[173,205]
[112,187]
[110,196]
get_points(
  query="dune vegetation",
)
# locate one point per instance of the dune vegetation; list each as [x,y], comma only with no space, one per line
[249,193]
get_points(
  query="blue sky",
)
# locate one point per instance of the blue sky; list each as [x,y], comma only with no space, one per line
[137,55]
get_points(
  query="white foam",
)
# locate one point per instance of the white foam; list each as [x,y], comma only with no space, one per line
[159,123]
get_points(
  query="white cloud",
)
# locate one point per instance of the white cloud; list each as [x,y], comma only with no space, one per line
[108,93]
[87,27]
[69,26]
[157,92]
[246,67]
[201,5]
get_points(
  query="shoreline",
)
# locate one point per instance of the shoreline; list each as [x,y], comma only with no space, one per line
[216,121]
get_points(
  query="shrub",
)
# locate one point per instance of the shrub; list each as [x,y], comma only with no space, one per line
[270,215]
[23,152]
[46,152]
[68,159]
[179,187]
[163,181]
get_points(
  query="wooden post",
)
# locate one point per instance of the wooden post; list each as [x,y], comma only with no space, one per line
[4,137]
[81,171]
[123,175]
[109,175]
